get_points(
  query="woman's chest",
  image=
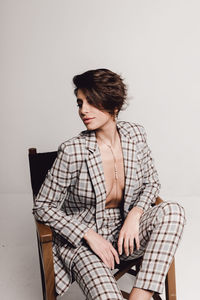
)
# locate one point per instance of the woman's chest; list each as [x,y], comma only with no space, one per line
[113,167]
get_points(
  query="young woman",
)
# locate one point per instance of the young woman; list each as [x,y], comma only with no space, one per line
[98,199]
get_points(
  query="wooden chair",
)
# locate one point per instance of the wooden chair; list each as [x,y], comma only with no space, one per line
[40,163]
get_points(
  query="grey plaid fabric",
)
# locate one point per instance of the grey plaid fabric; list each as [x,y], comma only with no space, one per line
[160,232]
[72,197]
[161,229]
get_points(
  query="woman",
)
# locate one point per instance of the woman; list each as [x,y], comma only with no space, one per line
[98,199]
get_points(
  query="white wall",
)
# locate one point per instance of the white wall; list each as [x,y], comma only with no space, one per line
[154,45]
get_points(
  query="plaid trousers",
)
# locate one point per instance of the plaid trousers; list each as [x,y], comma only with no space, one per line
[160,231]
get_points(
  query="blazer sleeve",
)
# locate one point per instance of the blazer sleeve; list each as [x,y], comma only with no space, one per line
[151,184]
[50,199]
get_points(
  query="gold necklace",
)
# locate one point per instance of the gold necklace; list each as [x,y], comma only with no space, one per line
[115,164]
[114,158]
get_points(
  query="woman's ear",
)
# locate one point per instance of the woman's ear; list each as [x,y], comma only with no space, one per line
[116,113]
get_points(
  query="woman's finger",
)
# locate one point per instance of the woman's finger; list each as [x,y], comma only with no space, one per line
[120,243]
[104,259]
[137,240]
[131,245]
[115,254]
[110,259]
[126,246]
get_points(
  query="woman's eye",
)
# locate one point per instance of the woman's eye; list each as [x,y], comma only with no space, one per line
[79,105]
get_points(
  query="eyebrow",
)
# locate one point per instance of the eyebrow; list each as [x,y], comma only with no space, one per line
[78,99]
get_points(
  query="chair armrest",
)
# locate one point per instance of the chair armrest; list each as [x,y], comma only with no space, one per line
[158,200]
[45,234]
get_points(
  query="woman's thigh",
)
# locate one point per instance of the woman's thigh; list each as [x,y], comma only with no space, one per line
[161,224]
[94,277]
[161,230]
[145,228]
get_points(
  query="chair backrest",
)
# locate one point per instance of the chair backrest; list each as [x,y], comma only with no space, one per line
[39,164]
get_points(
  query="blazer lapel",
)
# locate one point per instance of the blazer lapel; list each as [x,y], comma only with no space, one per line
[95,169]
[130,166]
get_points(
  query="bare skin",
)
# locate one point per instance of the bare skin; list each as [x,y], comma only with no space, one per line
[105,128]
[139,294]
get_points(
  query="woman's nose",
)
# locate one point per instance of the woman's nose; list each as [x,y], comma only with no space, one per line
[85,108]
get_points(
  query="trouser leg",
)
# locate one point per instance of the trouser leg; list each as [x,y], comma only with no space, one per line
[94,277]
[161,229]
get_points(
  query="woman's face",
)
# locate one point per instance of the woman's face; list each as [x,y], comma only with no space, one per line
[92,117]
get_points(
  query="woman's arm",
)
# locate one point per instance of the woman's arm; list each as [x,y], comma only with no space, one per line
[51,196]
[129,233]
[151,184]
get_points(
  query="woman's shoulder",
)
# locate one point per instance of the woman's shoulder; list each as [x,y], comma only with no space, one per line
[134,130]
[73,144]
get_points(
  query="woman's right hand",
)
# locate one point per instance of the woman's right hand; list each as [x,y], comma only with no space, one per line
[103,248]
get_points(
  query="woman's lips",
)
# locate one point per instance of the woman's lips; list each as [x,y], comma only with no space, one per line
[88,120]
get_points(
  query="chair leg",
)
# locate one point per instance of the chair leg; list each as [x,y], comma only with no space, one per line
[170,283]
[41,270]
[49,277]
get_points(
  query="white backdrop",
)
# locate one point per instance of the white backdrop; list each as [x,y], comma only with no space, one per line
[153,44]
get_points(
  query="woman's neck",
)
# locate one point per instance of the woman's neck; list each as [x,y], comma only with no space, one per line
[108,134]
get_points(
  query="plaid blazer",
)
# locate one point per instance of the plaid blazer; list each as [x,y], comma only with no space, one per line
[72,197]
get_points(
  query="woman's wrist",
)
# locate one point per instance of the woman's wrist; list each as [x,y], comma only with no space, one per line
[86,235]
[137,211]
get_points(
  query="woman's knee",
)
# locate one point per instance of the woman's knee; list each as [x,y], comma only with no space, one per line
[174,211]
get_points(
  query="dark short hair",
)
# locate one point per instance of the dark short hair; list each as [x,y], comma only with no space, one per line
[103,88]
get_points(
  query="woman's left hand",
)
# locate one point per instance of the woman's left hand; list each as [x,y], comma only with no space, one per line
[130,232]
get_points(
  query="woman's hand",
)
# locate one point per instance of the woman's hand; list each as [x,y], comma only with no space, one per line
[103,248]
[130,232]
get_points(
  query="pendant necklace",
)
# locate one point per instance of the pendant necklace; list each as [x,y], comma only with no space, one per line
[115,168]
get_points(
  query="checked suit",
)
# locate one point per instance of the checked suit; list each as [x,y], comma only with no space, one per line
[72,200]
